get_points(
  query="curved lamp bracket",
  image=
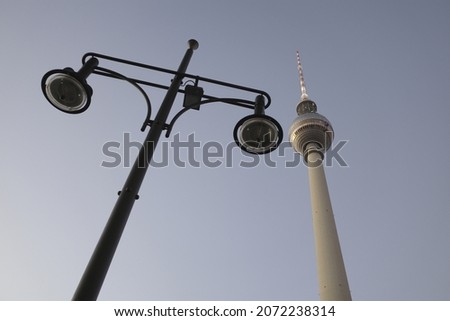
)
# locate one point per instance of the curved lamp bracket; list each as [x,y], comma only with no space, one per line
[194,78]
[257,133]
[196,106]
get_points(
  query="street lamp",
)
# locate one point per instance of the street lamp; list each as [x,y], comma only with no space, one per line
[69,92]
[258,133]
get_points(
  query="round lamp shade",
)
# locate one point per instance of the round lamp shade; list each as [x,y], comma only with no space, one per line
[258,134]
[64,90]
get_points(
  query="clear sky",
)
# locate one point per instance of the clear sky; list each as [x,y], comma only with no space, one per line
[378,70]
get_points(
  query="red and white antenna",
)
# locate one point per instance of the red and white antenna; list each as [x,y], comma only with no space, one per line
[304,94]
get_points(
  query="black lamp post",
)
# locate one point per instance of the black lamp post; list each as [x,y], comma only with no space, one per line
[68,91]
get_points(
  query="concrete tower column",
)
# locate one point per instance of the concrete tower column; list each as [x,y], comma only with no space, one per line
[332,277]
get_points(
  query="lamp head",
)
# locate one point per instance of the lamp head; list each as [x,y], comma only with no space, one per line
[258,134]
[66,90]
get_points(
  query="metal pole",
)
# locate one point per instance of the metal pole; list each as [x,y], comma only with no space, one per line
[333,283]
[97,268]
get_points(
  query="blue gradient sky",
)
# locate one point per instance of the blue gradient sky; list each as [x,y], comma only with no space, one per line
[379,70]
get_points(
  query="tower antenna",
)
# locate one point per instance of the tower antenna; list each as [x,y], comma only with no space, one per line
[304,94]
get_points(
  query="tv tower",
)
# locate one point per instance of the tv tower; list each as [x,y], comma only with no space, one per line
[311,135]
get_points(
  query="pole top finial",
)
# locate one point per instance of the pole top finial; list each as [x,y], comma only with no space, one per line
[193,44]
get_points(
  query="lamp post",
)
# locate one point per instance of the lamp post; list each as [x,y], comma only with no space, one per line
[69,92]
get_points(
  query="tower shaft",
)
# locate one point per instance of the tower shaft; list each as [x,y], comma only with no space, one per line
[332,277]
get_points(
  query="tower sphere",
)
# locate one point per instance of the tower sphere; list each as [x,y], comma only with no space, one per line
[311,128]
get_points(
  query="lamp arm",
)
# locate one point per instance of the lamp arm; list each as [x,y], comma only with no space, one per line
[195,78]
[232,101]
[135,84]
